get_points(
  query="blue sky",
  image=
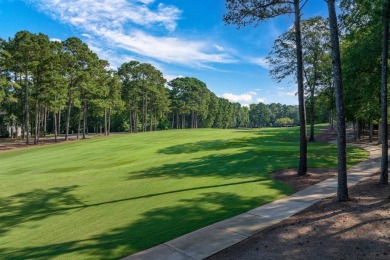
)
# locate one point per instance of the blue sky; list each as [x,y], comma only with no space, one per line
[179,37]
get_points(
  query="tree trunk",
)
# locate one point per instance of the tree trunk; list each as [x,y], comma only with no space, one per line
[146,114]
[143,113]
[358,129]
[27,111]
[22,106]
[131,119]
[109,121]
[371,130]
[23,126]
[155,120]
[67,120]
[192,119]
[79,126]
[331,119]
[173,120]
[59,122]
[55,126]
[85,120]
[342,189]
[45,121]
[332,105]
[177,119]
[311,139]
[151,120]
[36,123]
[384,176]
[105,122]
[136,121]
[302,170]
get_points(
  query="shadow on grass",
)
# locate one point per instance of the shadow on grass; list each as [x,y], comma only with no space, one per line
[154,227]
[35,205]
[268,151]
[261,139]
[41,204]
[216,145]
[247,163]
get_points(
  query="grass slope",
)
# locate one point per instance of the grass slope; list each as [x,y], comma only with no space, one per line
[110,197]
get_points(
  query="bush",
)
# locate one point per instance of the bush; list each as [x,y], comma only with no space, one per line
[163,125]
[284,121]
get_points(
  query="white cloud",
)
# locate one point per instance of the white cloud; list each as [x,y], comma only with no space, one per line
[218,47]
[116,60]
[55,40]
[258,100]
[146,1]
[253,93]
[116,23]
[171,77]
[86,35]
[262,62]
[167,49]
[110,12]
[242,98]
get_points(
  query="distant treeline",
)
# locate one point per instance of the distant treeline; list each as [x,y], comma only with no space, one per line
[64,88]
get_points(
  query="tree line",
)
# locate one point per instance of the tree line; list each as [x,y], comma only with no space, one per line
[339,63]
[65,88]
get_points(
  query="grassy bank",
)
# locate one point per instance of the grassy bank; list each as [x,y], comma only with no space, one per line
[109,197]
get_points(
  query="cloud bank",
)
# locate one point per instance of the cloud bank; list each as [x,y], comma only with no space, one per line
[129,25]
[245,99]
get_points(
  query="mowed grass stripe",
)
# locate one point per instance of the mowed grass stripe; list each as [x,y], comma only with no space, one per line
[108,197]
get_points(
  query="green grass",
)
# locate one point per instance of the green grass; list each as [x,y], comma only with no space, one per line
[110,197]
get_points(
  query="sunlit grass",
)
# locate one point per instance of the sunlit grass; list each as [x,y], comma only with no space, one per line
[109,197]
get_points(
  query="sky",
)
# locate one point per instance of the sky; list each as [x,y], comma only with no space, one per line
[181,38]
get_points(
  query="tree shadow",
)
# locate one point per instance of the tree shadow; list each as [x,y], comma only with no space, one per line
[357,229]
[215,145]
[249,162]
[262,138]
[35,205]
[253,156]
[151,229]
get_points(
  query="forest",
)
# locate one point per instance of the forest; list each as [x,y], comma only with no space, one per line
[51,87]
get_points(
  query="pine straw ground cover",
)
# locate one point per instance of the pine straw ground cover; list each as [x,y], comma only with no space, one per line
[357,229]
[108,197]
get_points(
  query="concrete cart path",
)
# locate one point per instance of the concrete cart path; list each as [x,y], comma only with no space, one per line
[214,238]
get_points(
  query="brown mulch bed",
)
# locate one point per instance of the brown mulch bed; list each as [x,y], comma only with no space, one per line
[326,134]
[313,176]
[357,229]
